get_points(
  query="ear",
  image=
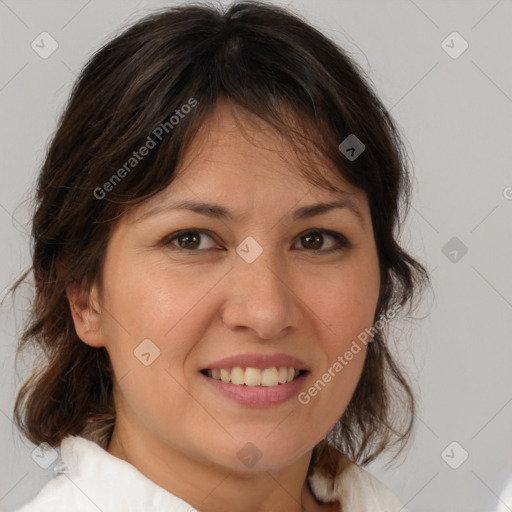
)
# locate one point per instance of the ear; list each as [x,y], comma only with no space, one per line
[86,314]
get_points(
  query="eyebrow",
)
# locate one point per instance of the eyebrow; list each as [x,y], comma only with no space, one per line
[220,212]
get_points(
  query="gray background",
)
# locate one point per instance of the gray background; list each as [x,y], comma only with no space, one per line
[456,117]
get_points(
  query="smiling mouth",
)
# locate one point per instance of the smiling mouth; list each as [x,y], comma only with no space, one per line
[253,377]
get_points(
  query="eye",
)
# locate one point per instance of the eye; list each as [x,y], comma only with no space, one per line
[190,240]
[314,240]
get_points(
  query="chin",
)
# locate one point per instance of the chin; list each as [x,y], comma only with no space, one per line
[260,454]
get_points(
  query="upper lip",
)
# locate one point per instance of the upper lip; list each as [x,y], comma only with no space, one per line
[259,361]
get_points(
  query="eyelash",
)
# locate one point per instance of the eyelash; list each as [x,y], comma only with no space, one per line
[342,241]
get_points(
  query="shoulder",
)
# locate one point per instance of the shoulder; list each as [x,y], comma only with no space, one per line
[89,479]
[58,495]
[356,489]
[61,493]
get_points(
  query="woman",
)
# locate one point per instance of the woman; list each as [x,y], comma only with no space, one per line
[215,262]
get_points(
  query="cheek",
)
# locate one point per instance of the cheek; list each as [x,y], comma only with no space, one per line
[151,300]
[345,309]
[173,310]
[345,301]
[148,330]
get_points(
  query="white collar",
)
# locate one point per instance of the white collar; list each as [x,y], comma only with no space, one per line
[91,478]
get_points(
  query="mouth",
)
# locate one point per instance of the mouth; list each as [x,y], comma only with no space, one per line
[255,377]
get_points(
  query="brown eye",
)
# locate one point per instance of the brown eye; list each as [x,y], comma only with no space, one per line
[315,241]
[318,240]
[190,240]
[312,241]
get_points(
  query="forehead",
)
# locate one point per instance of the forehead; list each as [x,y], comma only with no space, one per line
[236,158]
[243,145]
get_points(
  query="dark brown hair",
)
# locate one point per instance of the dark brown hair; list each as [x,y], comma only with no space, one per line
[266,61]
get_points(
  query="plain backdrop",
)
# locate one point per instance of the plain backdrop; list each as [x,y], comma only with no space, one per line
[454,109]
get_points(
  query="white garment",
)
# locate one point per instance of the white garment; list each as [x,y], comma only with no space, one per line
[89,479]
[505,500]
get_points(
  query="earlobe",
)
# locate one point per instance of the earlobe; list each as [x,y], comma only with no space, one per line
[86,314]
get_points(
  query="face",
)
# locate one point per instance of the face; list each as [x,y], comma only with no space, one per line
[262,284]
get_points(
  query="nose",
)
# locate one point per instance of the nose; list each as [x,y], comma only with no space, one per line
[261,298]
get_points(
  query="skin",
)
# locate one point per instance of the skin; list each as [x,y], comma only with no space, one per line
[204,304]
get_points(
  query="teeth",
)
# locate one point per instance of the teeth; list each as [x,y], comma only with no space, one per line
[252,377]
[267,377]
[237,375]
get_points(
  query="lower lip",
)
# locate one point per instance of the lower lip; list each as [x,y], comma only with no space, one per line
[258,396]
